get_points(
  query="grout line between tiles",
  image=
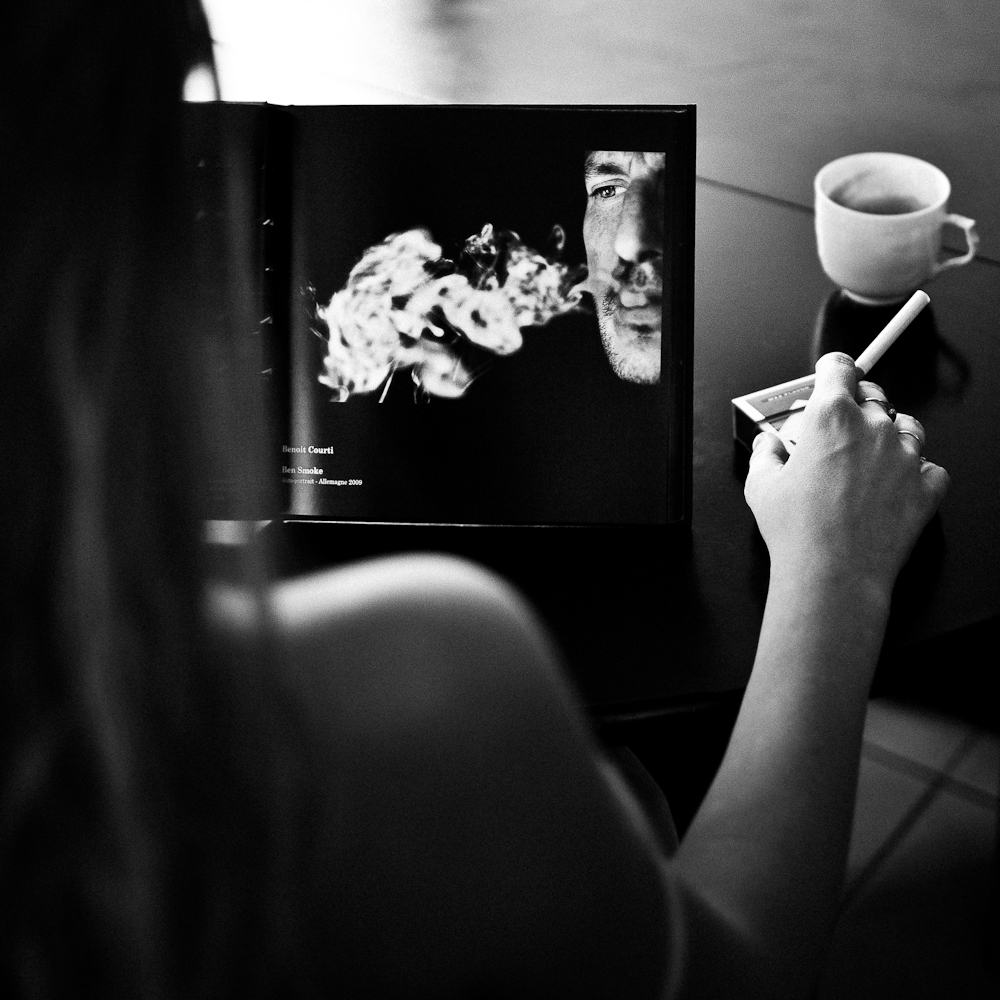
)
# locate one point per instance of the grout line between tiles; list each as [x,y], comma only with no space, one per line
[971,793]
[938,781]
[901,762]
[927,773]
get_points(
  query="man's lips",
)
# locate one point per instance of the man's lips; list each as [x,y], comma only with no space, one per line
[639,308]
[634,298]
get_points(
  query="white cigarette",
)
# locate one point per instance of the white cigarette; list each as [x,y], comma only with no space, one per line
[893,329]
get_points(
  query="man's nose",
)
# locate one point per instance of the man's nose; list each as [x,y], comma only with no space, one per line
[639,236]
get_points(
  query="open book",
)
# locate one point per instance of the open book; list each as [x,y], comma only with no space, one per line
[437,348]
[465,350]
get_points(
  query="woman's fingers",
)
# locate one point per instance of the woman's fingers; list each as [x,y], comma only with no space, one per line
[871,398]
[870,390]
[836,375]
[913,439]
[936,479]
[768,456]
[911,434]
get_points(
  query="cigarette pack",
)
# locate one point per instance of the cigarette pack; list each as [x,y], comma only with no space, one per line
[778,409]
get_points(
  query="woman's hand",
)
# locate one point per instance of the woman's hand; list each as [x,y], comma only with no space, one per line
[855,494]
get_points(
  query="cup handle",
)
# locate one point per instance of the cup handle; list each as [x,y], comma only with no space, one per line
[968,226]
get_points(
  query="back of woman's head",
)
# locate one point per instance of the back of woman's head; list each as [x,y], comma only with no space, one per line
[104,708]
[93,348]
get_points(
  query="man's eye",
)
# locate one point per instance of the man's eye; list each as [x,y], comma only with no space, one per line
[605,192]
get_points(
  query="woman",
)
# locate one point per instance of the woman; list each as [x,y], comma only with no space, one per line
[372,781]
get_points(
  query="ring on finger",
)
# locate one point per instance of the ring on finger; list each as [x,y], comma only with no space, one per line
[890,410]
[916,437]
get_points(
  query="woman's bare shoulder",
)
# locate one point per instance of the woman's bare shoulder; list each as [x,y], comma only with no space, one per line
[397,637]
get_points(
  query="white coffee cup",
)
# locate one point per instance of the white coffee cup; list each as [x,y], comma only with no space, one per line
[879,220]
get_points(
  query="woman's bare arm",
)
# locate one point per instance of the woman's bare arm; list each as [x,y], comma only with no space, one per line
[762,864]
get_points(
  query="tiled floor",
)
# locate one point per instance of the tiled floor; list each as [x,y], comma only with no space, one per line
[920,916]
[921,908]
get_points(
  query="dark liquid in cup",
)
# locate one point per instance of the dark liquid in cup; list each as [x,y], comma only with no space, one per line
[887,204]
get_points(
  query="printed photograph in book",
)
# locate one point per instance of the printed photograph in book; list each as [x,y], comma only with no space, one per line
[485,326]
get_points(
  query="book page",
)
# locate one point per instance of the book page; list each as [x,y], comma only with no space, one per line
[450,356]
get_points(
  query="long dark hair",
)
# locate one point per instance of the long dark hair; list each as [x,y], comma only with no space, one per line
[146,825]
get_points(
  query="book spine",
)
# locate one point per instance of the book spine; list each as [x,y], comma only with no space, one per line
[275,227]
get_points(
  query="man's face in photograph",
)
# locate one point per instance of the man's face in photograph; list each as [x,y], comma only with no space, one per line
[623,236]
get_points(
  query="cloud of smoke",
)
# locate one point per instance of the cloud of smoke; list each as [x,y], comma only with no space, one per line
[405,306]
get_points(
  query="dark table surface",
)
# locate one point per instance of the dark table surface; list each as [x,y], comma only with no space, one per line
[764,312]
